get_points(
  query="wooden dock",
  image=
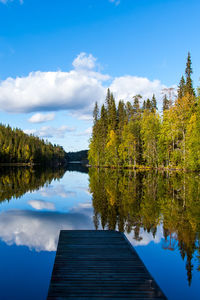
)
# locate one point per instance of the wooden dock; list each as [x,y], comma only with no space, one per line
[92,264]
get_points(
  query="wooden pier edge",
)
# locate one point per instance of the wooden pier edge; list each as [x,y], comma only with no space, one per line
[99,264]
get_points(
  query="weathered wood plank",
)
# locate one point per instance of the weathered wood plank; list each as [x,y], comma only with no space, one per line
[93,264]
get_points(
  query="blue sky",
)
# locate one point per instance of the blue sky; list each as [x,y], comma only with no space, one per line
[58,57]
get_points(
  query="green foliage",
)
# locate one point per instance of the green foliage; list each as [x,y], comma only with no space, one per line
[130,135]
[18,147]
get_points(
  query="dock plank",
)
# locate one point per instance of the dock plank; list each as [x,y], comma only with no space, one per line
[98,264]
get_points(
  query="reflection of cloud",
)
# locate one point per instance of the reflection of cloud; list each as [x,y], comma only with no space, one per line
[40,230]
[58,190]
[86,208]
[86,190]
[40,204]
[146,237]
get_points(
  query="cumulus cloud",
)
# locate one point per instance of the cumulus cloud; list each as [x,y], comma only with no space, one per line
[41,118]
[40,205]
[84,61]
[49,132]
[125,87]
[75,91]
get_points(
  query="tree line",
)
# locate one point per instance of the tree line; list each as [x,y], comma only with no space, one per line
[134,135]
[18,147]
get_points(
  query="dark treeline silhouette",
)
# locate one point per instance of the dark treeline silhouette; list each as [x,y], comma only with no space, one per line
[134,135]
[77,167]
[16,181]
[131,201]
[18,147]
[79,156]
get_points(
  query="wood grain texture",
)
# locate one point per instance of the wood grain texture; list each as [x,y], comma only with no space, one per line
[100,264]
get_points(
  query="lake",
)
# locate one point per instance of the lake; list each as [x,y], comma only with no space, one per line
[158,211]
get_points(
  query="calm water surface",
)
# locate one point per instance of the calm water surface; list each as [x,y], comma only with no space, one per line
[159,213]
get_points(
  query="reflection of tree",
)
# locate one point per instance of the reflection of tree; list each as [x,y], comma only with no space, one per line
[131,201]
[14,181]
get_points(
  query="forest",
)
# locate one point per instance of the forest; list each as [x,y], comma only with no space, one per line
[18,147]
[135,134]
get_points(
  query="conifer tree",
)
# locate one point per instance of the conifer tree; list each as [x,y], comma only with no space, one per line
[154,102]
[165,103]
[181,88]
[95,113]
[148,104]
[136,102]
[188,72]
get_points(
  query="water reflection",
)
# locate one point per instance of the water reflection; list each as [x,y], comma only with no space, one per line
[39,230]
[16,181]
[142,202]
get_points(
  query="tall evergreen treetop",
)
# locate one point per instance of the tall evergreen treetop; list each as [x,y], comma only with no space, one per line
[165,103]
[96,113]
[181,88]
[154,102]
[136,102]
[108,96]
[148,104]
[188,72]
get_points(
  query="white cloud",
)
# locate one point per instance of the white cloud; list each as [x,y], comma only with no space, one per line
[51,91]
[49,132]
[41,118]
[75,91]
[125,87]
[40,204]
[84,61]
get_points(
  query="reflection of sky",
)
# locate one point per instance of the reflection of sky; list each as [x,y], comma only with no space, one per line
[71,190]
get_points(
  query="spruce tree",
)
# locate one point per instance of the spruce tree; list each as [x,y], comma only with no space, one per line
[95,113]
[154,102]
[136,103]
[108,98]
[181,88]
[148,104]
[188,72]
[144,105]
[165,103]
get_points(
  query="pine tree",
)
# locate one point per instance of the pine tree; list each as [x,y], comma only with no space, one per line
[136,103]
[148,104]
[181,88]
[154,102]
[188,72]
[95,113]
[165,103]
[108,98]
